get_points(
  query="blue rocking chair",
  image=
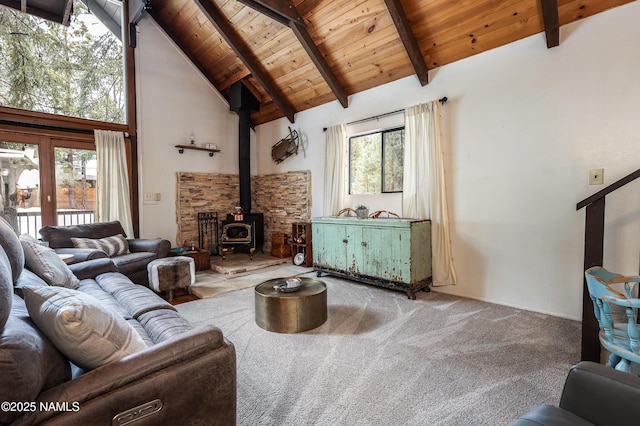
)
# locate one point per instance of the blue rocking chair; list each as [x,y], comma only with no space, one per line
[621,339]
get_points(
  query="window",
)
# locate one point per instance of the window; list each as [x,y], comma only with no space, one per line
[35,192]
[375,162]
[76,71]
[76,176]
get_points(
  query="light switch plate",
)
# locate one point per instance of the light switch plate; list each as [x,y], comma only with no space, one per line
[151,197]
[596,176]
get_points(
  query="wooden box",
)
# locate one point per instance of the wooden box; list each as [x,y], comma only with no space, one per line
[281,251]
[202,258]
[279,240]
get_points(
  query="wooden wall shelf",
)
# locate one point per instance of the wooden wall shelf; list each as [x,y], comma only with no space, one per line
[181,149]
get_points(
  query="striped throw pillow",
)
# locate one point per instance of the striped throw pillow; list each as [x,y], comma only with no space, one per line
[113,246]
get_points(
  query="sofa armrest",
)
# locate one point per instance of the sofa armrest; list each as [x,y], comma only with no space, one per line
[192,375]
[159,246]
[81,254]
[601,394]
[93,268]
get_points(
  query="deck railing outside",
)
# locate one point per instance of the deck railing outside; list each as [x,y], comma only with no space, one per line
[30,220]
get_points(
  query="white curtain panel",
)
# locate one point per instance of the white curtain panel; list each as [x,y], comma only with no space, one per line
[112,191]
[424,194]
[335,162]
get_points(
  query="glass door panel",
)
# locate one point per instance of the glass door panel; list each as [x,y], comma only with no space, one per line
[75,179]
[20,186]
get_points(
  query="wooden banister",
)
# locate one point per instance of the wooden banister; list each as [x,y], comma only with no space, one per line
[615,185]
[593,256]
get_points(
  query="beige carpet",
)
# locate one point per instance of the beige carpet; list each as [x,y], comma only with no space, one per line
[381,359]
[238,271]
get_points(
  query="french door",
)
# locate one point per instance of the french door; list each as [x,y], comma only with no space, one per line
[46,180]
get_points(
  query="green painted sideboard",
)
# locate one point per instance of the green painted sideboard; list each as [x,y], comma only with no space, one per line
[390,253]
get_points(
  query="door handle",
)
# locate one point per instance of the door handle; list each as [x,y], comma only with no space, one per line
[363,244]
[345,241]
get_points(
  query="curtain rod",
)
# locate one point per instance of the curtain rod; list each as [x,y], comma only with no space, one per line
[442,101]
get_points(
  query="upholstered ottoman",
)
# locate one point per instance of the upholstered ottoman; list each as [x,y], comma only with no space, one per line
[171,273]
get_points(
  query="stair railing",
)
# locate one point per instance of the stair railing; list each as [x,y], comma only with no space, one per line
[593,256]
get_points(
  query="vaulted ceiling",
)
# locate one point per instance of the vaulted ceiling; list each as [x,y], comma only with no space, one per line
[297,54]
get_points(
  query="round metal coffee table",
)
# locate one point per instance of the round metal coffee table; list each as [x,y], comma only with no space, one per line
[293,312]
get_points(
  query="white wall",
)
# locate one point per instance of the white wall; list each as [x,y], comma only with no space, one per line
[174,102]
[522,127]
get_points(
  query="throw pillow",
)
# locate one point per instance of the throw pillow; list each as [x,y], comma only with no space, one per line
[44,262]
[29,363]
[113,246]
[88,333]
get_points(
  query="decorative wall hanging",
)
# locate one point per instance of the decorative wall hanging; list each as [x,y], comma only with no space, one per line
[285,147]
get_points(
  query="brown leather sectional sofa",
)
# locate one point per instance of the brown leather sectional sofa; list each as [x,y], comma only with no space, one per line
[132,264]
[186,375]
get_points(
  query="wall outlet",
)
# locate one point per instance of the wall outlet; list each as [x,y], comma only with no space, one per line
[151,197]
[596,176]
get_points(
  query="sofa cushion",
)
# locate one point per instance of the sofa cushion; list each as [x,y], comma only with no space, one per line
[134,300]
[113,246]
[89,334]
[29,362]
[163,324]
[11,245]
[6,288]
[133,262]
[45,263]
[60,236]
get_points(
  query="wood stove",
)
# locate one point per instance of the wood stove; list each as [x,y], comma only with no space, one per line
[247,233]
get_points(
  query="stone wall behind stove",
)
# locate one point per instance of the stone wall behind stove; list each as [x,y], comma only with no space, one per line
[283,198]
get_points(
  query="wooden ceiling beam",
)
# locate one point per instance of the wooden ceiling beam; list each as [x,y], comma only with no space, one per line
[24,7]
[229,80]
[279,10]
[551,22]
[215,16]
[409,40]
[173,36]
[68,11]
[286,13]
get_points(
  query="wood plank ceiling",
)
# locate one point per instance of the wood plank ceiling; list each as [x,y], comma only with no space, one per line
[298,54]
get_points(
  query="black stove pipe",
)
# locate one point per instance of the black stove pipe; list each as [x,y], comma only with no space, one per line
[243,103]
[244,158]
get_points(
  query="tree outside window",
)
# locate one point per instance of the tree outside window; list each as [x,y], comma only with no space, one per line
[75,71]
[375,162]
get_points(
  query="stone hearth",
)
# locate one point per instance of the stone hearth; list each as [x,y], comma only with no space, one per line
[283,198]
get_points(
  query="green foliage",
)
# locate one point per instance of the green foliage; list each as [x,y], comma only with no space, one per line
[376,159]
[50,68]
[393,160]
[365,167]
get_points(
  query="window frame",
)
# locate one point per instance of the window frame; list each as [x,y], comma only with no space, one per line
[382,133]
[125,71]
[42,126]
